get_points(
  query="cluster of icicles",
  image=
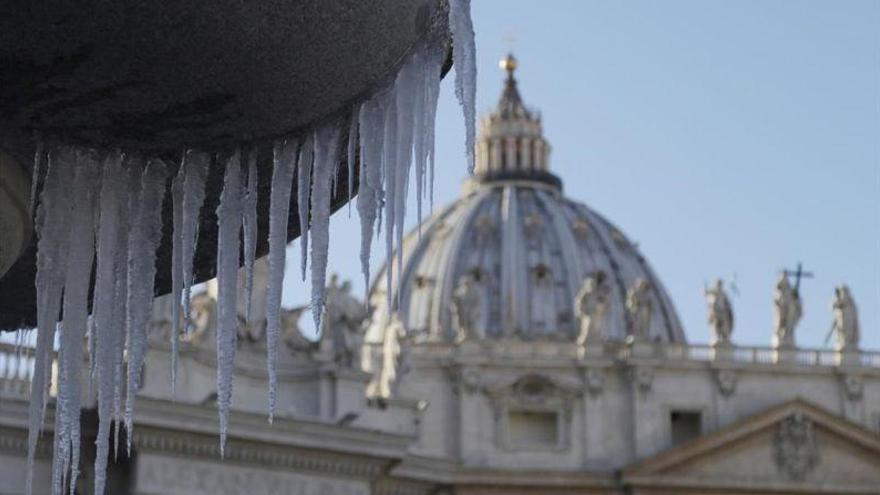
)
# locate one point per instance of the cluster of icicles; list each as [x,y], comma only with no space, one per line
[117,227]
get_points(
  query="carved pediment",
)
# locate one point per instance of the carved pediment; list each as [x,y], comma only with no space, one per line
[532,411]
[794,444]
[534,387]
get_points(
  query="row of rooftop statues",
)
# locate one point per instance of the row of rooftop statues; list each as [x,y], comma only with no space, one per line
[593,303]
[788,310]
[345,317]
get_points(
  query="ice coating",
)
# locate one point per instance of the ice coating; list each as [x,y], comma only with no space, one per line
[229,219]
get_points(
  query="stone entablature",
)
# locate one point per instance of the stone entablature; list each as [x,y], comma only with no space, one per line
[621,400]
[538,351]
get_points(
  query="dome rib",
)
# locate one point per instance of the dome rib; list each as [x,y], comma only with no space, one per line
[439,326]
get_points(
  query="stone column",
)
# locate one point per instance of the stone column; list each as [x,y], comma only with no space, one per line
[495,155]
[527,163]
[510,146]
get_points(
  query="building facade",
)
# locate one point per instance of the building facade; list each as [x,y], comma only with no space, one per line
[523,346]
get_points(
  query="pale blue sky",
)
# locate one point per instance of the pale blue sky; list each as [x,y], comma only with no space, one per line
[723,137]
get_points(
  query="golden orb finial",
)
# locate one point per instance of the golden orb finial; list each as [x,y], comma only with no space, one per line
[508,63]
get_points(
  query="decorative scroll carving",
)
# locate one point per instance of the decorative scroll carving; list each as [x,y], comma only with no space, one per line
[726,380]
[595,380]
[853,386]
[643,378]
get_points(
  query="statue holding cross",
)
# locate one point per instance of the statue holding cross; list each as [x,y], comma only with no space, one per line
[787,303]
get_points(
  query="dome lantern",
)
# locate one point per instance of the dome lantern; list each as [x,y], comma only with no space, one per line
[511,143]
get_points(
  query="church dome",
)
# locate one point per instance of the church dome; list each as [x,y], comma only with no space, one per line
[524,249]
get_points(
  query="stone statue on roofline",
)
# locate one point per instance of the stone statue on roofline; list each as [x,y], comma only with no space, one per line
[591,307]
[788,312]
[639,307]
[342,324]
[720,313]
[292,335]
[466,309]
[845,326]
[393,358]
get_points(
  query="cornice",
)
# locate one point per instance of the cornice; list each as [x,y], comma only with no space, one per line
[244,426]
[687,484]
[194,446]
[14,441]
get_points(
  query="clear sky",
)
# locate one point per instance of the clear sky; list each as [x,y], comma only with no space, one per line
[727,139]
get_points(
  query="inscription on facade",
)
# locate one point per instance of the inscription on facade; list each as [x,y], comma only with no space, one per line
[173,476]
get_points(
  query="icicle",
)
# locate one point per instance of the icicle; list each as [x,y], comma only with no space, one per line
[133,172]
[352,152]
[176,272]
[80,245]
[195,172]
[371,121]
[229,214]
[389,174]
[418,132]
[112,217]
[35,177]
[408,87]
[53,222]
[387,134]
[303,185]
[432,95]
[249,227]
[326,155]
[284,160]
[90,352]
[143,240]
[464,55]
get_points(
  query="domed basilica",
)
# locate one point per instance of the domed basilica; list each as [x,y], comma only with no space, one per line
[525,347]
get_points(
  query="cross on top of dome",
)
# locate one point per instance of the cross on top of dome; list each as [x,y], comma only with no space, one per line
[510,105]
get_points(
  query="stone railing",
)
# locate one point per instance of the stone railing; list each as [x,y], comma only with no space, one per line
[622,352]
[16,369]
[765,355]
